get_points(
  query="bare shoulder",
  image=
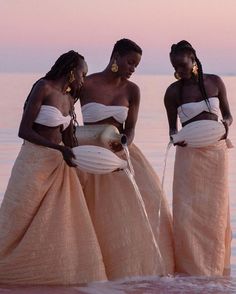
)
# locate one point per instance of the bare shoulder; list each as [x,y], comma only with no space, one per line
[41,87]
[92,78]
[41,84]
[172,91]
[217,80]
[134,91]
[90,83]
[133,87]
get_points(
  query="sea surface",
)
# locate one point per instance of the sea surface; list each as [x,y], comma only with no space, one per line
[152,138]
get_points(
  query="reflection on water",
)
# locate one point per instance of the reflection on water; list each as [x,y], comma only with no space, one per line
[152,138]
[150,285]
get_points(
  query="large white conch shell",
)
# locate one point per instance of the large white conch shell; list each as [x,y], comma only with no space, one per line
[200,133]
[97,160]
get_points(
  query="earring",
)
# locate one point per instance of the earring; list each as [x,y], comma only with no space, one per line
[114,67]
[195,69]
[68,89]
[177,76]
[72,77]
[71,80]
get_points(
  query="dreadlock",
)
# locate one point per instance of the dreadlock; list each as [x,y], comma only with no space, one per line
[124,46]
[185,47]
[64,64]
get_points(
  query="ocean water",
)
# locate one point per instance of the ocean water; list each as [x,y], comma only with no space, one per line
[152,138]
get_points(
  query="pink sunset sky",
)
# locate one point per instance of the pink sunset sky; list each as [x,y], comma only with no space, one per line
[34,33]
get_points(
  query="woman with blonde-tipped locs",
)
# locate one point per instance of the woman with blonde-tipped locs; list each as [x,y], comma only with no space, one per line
[46,233]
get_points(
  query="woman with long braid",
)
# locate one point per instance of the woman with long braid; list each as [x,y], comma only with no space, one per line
[46,234]
[201,219]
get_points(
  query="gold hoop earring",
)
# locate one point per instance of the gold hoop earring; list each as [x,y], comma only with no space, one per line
[72,77]
[177,76]
[68,89]
[195,69]
[114,67]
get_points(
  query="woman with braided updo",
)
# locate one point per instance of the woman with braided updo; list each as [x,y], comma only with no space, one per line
[46,234]
[132,243]
[201,219]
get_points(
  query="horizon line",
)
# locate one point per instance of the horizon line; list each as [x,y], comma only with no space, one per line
[231,74]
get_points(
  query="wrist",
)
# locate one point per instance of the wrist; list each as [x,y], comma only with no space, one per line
[171,139]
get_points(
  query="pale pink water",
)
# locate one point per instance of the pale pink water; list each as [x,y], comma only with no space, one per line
[152,138]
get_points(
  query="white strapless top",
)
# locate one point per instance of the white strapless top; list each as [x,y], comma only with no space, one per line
[189,110]
[93,112]
[51,116]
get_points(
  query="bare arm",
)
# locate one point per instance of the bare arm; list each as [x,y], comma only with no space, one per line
[171,109]
[170,101]
[132,117]
[224,105]
[26,130]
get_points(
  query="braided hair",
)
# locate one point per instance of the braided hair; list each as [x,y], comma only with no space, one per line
[124,46]
[185,47]
[64,64]
[62,67]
